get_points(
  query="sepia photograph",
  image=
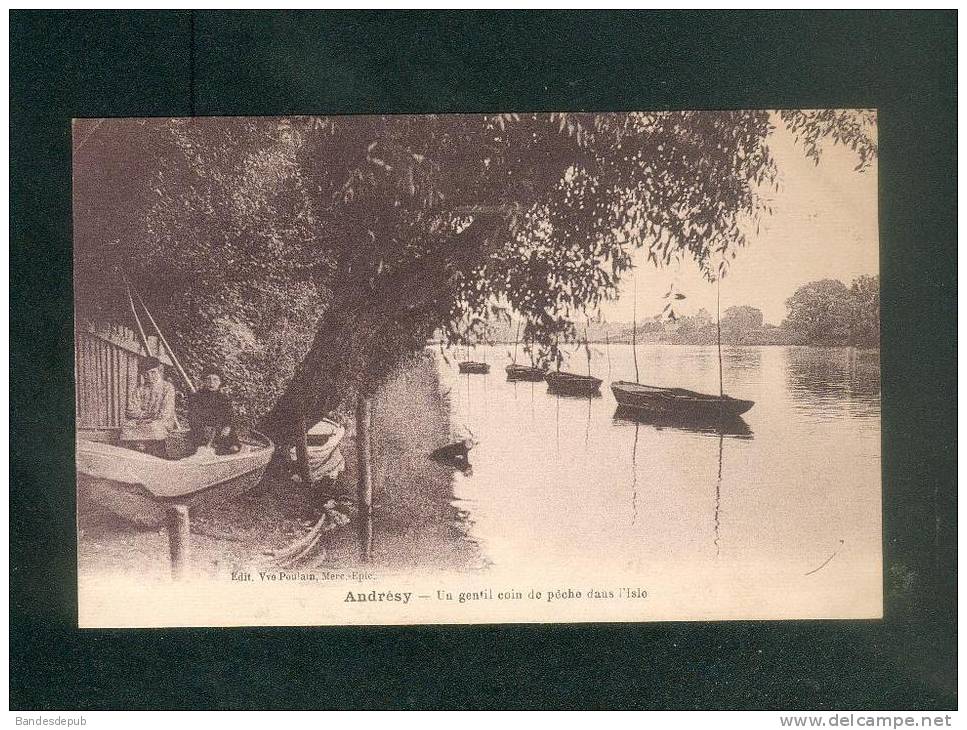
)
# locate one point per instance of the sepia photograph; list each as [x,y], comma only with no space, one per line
[475,360]
[477,368]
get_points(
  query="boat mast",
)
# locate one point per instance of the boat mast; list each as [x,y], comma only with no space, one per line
[718,329]
[587,349]
[634,327]
[516,341]
[161,337]
[137,319]
[607,349]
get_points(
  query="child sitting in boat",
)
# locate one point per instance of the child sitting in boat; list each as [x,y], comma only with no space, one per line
[210,415]
[151,410]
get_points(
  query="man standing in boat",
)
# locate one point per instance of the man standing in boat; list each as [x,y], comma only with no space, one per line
[210,415]
[151,410]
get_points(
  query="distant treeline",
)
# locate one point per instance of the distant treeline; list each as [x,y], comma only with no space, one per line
[825,312]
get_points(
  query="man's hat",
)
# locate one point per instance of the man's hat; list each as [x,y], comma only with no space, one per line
[211,370]
[148,363]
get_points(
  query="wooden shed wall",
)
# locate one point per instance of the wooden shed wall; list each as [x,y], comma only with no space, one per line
[105,373]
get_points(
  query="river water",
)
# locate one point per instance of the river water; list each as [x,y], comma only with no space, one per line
[791,494]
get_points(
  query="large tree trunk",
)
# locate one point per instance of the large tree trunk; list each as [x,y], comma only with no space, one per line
[340,360]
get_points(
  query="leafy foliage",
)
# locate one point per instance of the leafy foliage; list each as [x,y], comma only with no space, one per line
[310,255]
[741,318]
[211,220]
[864,292]
[828,313]
[853,128]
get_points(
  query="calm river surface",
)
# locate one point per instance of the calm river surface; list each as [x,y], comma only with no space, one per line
[559,481]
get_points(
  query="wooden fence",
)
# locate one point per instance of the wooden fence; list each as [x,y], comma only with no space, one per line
[106,371]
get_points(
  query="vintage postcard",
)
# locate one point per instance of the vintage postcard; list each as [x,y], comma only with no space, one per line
[521,367]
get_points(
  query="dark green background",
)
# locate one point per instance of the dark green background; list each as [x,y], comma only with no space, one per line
[66,65]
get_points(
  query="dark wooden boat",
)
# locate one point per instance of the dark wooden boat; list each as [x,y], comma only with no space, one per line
[525,372]
[477,368]
[677,401]
[456,455]
[572,384]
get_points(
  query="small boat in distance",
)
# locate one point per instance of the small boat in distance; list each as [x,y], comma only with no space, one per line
[677,401]
[564,383]
[530,373]
[525,372]
[471,366]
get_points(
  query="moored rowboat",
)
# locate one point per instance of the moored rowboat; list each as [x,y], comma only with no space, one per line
[524,372]
[478,368]
[677,401]
[572,383]
[180,480]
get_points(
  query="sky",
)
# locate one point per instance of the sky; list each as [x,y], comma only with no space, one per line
[823,226]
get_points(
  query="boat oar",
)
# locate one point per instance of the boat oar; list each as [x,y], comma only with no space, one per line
[607,349]
[164,342]
[134,313]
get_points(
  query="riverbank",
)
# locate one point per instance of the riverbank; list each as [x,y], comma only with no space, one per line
[415,522]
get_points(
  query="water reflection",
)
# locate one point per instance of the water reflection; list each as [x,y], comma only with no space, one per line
[634,478]
[574,396]
[734,427]
[716,522]
[820,374]
[742,358]
[573,481]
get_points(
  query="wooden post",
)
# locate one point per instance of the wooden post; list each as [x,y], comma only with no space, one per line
[302,451]
[634,328]
[179,539]
[516,340]
[718,331]
[364,494]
